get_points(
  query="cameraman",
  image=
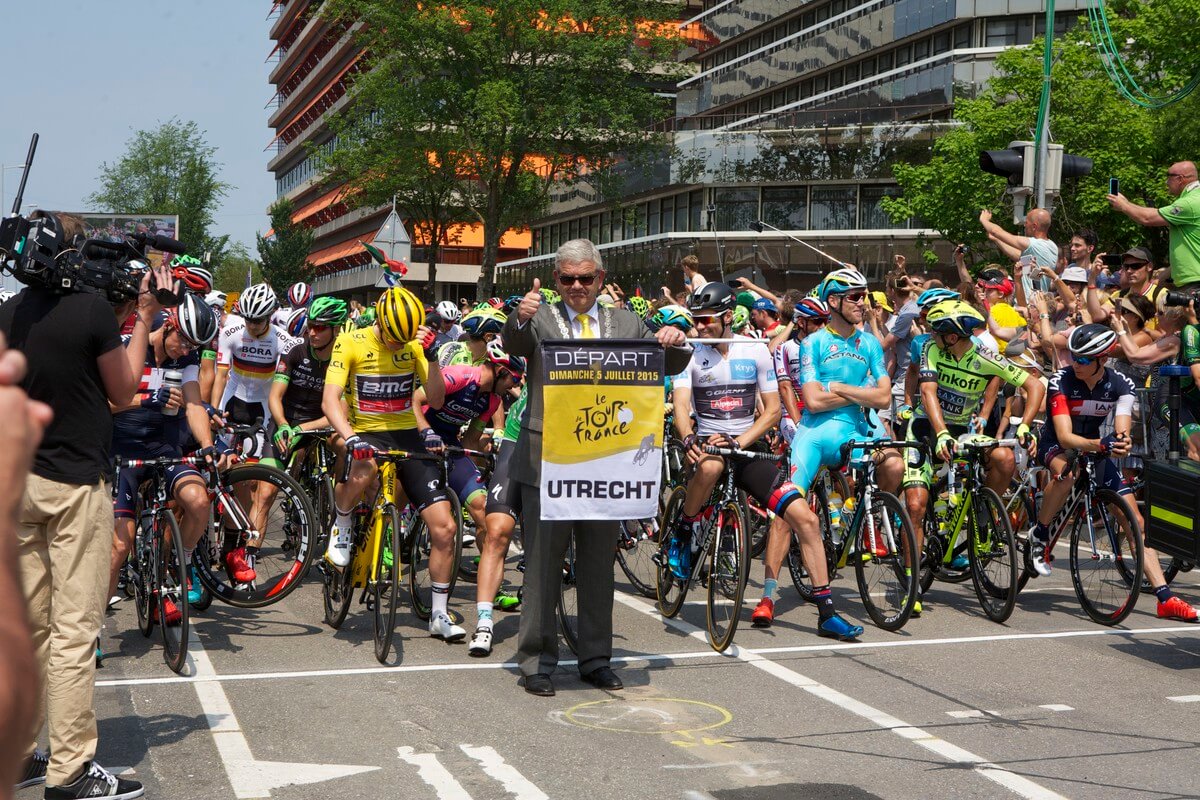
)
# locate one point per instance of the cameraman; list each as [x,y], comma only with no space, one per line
[77,366]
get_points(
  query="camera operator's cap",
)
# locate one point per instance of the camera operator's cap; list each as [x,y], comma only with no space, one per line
[1075,275]
[880,299]
[1139,253]
[764,304]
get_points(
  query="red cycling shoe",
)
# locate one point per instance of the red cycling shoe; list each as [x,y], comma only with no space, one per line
[764,613]
[239,567]
[1177,608]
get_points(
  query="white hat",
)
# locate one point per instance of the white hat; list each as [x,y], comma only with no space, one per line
[1075,275]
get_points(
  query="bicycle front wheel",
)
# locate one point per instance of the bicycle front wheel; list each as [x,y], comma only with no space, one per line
[386,588]
[272,499]
[171,580]
[758,524]
[143,558]
[729,561]
[568,601]
[671,590]
[992,551]
[636,547]
[886,562]
[1106,557]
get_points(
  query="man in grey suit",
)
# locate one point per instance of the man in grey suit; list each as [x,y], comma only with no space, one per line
[579,274]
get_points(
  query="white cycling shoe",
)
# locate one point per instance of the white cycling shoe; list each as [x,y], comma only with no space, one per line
[481,643]
[338,551]
[442,627]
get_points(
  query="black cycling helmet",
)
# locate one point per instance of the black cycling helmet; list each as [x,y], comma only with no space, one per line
[715,298]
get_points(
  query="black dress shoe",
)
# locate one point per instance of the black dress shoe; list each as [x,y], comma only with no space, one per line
[539,684]
[603,678]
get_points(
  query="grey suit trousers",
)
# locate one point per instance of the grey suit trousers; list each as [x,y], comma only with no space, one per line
[545,547]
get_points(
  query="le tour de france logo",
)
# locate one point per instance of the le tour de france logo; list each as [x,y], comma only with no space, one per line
[602,418]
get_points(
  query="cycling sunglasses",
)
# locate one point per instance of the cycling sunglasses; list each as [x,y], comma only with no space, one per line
[1083,361]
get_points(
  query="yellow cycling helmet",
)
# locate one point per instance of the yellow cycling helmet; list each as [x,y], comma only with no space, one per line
[399,314]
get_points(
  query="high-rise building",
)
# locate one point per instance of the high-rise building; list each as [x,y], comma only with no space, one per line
[314,66]
[793,114]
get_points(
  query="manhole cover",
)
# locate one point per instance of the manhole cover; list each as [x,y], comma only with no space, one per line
[648,715]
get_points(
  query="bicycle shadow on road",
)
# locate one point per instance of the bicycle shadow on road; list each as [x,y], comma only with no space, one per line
[1175,652]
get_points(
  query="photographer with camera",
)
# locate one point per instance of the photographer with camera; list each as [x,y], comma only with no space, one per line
[77,366]
[1182,216]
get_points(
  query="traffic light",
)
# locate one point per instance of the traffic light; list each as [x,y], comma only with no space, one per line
[1017,164]
[1063,165]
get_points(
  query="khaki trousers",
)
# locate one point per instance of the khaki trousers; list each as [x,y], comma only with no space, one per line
[64,541]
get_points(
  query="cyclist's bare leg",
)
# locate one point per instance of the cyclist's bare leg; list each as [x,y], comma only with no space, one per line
[442,530]
[779,537]
[808,529]
[889,470]
[476,507]
[1002,465]
[346,495]
[122,543]
[493,550]
[916,498]
[700,485]
[191,495]
[1057,490]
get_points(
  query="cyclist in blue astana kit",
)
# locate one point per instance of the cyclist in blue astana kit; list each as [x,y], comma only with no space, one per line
[721,387]
[842,373]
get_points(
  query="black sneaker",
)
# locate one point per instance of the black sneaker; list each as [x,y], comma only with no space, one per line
[35,769]
[96,781]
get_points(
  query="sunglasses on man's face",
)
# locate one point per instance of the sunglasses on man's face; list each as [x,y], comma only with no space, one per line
[855,297]
[1132,267]
[315,327]
[582,280]
[707,319]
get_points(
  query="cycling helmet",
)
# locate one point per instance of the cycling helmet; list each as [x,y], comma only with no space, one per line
[811,308]
[715,298]
[297,322]
[512,302]
[258,302]
[955,316]
[300,294]
[6,294]
[216,299]
[447,310]
[195,321]
[485,320]
[399,314]
[1092,340]
[496,355]
[995,279]
[496,303]
[931,297]
[672,315]
[638,305]
[366,319]
[841,281]
[192,272]
[328,311]
[550,296]
[741,318]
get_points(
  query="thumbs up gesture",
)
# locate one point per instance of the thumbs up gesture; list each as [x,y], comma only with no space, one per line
[530,302]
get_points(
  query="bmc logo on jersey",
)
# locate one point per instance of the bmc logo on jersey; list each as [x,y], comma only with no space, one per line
[742,369]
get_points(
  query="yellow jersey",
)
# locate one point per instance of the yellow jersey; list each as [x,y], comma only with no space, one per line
[378,382]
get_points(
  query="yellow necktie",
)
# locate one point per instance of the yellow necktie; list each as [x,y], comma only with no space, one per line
[585,324]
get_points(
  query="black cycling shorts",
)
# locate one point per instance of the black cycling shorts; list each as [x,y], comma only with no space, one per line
[765,481]
[504,494]
[125,493]
[420,478]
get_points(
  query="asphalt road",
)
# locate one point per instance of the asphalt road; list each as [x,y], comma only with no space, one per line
[1048,705]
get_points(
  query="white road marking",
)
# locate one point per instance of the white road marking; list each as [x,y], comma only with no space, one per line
[650,657]
[1015,783]
[969,713]
[495,766]
[249,777]
[434,774]
[1056,707]
[1185,698]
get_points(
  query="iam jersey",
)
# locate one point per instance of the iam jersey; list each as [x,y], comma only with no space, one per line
[379,382]
[466,402]
[251,361]
[1088,408]
[787,367]
[148,426]
[724,388]
[826,357]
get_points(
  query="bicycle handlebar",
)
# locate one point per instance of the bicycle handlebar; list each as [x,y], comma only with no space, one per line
[316,432]
[989,445]
[135,463]
[733,452]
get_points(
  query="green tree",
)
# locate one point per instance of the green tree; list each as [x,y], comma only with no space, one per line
[168,170]
[1087,116]
[230,275]
[284,255]
[507,100]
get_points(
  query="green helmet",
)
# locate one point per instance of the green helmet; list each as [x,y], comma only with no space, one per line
[186,261]
[366,318]
[328,311]
[638,305]
[741,318]
[550,296]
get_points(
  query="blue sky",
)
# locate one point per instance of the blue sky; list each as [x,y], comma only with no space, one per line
[86,74]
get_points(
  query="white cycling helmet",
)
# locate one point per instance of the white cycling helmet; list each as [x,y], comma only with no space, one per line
[448,310]
[216,299]
[300,295]
[6,294]
[195,321]
[258,302]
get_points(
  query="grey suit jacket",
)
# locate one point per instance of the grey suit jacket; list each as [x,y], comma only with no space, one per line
[615,323]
